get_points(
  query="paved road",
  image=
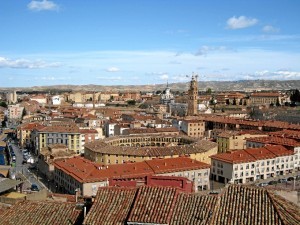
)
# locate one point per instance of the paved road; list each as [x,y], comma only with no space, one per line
[29,175]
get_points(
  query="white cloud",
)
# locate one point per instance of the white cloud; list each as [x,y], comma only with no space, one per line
[205,49]
[164,77]
[156,73]
[42,5]
[270,29]
[25,64]
[276,75]
[180,78]
[110,78]
[240,22]
[112,69]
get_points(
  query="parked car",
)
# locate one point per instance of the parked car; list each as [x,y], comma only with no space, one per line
[262,184]
[282,180]
[272,182]
[290,179]
[34,187]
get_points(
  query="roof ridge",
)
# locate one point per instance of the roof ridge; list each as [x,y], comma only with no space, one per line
[278,204]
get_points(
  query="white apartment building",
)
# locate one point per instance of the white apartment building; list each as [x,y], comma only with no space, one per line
[288,143]
[249,165]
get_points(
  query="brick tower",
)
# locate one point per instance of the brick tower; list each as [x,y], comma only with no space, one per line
[193,95]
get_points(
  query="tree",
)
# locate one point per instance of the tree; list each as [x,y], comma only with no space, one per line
[295,96]
[208,91]
[131,102]
[3,104]
[277,102]
[23,113]
[234,101]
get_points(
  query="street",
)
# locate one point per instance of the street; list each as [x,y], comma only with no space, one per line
[30,175]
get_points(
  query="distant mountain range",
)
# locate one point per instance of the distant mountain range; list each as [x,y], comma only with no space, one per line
[242,85]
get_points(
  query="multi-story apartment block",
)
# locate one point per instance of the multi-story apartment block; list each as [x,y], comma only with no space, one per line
[253,164]
[15,112]
[24,133]
[193,128]
[69,136]
[288,143]
[73,173]
[88,136]
[229,140]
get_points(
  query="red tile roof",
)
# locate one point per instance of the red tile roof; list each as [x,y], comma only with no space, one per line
[252,123]
[275,140]
[193,209]
[111,206]
[252,154]
[175,164]
[85,171]
[41,212]
[240,156]
[88,131]
[153,205]
[60,129]
[293,134]
[265,94]
[244,205]
[237,204]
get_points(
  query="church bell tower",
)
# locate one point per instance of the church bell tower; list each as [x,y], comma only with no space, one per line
[193,95]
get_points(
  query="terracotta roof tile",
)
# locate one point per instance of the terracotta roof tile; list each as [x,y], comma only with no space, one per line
[245,205]
[38,212]
[276,141]
[193,209]
[175,164]
[240,156]
[252,154]
[111,206]
[153,205]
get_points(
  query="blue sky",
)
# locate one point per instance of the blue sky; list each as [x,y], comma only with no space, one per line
[117,42]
